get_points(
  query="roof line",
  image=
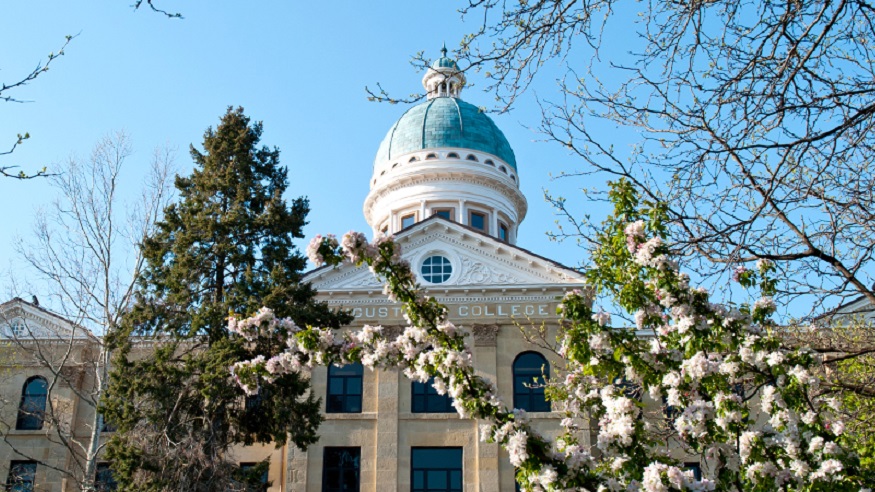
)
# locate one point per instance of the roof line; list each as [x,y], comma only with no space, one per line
[472,230]
[37,307]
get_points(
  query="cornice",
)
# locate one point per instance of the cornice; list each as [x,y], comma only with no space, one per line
[429,176]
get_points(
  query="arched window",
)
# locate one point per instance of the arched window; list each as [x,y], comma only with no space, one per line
[471,157]
[413,159]
[33,404]
[489,161]
[529,371]
[431,156]
[452,155]
[502,169]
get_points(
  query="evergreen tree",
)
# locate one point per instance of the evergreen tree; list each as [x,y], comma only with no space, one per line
[225,247]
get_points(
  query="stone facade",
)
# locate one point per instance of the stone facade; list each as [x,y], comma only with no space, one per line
[455,211]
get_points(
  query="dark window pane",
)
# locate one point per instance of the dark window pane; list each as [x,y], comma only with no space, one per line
[407,221]
[335,386]
[341,469]
[353,405]
[436,469]
[502,232]
[696,469]
[334,404]
[444,213]
[529,370]
[22,475]
[103,480]
[354,386]
[437,479]
[33,404]
[344,389]
[478,221]
[456,479]
[424,398]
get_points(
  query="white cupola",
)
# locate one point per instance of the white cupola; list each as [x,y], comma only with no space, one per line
[446,157]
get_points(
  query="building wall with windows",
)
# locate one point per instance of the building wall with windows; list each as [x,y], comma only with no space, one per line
[37,345]
[446,184]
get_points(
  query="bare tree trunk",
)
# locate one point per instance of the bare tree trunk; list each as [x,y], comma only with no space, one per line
[86,253]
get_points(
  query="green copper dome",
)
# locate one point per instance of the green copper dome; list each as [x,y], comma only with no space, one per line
[445,122]
[444,62]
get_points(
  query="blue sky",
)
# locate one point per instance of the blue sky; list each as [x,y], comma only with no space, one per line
[300,67]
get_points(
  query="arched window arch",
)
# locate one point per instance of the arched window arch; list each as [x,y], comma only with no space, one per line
[529,371]
[452,155]
[33,404]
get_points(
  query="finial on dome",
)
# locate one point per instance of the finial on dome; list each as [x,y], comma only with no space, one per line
[443,79]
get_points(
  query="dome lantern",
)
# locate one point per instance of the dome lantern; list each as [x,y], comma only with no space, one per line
[443,78]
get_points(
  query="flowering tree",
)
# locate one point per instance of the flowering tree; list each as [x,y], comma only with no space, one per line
[686,349]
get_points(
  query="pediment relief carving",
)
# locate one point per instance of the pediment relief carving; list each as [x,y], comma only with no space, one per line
[477,261]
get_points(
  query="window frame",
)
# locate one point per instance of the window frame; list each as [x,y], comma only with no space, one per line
[26,415]
[484,215]
[695,467]
[101,484]
[449,487]
[345,396]
[14,483]
[411,216]
[530,393]
[340,469]
[503,228]
[17,328]
[451,212]
[431,276]
[426,393]
[265,478]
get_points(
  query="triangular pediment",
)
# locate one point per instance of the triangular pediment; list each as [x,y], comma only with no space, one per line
[472,258]
[24,320]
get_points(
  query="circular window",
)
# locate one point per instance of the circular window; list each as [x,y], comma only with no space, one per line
[436,269]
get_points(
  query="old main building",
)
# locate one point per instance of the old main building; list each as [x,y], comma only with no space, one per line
[446,185]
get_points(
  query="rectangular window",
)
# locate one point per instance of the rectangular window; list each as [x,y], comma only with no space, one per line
[436,470]
[103,479]
[344,389]
[408,220]
[424,399]
[22,475]
[695,468]
[106,425]
[249,468]
[502,231]
[446,213]
[341,469]
[477,220]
